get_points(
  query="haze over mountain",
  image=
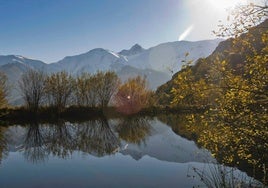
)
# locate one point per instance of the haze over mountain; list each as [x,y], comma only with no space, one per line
[227,50]
[168,57]
[156,63]
[165,57]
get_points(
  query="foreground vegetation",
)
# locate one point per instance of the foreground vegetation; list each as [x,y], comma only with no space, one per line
[233,83]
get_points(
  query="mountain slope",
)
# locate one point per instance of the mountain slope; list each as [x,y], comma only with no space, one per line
[229,50]
[154,78]
[165,57]
[92,61]
[31,63]
[168,57]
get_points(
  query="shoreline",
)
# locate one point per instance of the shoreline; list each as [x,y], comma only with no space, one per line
[21,115]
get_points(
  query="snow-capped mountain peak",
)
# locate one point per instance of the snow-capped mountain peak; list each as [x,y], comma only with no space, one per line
[91,61]
[10,59]
[136,49]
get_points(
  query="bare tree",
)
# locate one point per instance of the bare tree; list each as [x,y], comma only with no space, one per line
[81,87]
[58,89]
[32,88]
[86,90]
[95,90]
[107,84]
[92,95]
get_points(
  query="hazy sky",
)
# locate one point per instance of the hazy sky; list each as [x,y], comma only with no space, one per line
[51,29]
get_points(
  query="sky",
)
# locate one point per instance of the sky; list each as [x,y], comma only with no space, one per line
[49,30]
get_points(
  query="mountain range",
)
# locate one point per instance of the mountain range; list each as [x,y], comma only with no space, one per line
[157,63]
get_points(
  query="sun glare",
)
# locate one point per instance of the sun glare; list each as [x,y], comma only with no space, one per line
[186,33]
[224,4]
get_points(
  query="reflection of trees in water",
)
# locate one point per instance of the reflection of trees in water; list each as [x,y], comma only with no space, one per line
[3,144]
[94,137]
[179,124]
[42,140]
[233,144]
[97,137]
[134,129]
[35,150]
[60,141]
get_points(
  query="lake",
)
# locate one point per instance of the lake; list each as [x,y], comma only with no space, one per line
[130,152]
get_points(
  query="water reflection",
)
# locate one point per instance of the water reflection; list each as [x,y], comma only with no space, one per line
[136,137]
[230,145]
[34,148]
[62,138]
[145,148]
[3,144]
[59,139]
[96,137]
[134,129]
[218,175]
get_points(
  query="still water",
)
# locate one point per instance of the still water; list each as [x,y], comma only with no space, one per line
[133,152]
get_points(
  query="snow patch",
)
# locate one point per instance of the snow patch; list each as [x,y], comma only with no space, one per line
[16,60]
[20,57]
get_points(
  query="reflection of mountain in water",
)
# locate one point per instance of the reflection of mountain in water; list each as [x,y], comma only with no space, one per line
[15,136]
[136,137]
[164,144]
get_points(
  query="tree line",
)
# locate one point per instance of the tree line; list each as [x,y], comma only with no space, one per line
[60,90]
